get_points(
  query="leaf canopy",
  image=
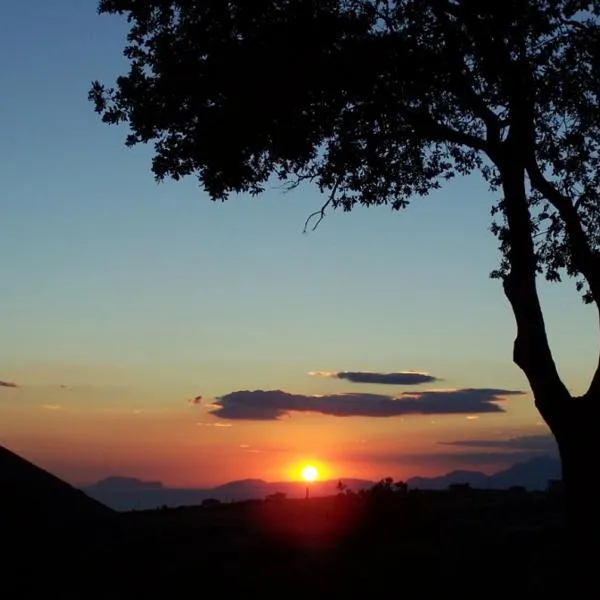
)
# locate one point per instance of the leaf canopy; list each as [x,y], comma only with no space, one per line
[374,101]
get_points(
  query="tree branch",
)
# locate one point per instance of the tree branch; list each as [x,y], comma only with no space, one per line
[322,211]
[443,133]
[585,260]
[481,110]
[464,82]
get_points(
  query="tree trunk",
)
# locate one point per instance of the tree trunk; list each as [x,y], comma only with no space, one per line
[575,422]
[579,446]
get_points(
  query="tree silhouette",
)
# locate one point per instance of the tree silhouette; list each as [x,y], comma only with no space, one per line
[401,487]
[379,101]
[383,489]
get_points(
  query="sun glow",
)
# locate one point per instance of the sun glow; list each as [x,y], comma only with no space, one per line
[309,473]
[294,470]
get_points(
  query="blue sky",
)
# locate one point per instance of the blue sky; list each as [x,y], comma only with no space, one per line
[108,277]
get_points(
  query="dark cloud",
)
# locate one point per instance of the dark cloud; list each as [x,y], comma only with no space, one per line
[396,378]
[415,462]
[271,405]
[541,443]
[455,460]
[196,400]
[8,384]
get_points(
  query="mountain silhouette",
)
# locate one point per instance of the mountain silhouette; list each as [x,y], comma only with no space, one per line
[116,483]
[31,498]
[532,474]
[474,478]
[141,497]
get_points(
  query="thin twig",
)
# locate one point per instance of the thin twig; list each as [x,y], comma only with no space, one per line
[322,211]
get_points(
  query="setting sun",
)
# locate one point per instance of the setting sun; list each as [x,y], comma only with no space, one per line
[309,473]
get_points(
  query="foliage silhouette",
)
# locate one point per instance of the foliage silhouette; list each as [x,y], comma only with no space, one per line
[378,101]
[276,497]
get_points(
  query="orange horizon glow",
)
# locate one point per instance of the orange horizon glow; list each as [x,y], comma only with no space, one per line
[91,431]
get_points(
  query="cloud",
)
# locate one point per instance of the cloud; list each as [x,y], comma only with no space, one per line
[51,406]
[8,384]
[396,378]
[449,460]
[200,424]
[540,443]
[196,400]
[272,405]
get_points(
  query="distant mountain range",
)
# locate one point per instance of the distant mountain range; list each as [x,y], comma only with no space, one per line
[127,493]
[532,474]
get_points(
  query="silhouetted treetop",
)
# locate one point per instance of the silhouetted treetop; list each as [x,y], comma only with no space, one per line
[374,101]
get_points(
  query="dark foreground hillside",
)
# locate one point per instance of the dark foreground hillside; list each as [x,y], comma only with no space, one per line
[463,542]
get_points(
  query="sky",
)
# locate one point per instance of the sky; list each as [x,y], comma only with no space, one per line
[123,300]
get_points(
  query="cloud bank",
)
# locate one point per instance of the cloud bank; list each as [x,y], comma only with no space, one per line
[443,460]
[541,443]
[396,378]
[8,384]
[271,405]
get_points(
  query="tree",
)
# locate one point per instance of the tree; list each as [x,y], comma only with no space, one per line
[401,487]
[383,489]
[379,101]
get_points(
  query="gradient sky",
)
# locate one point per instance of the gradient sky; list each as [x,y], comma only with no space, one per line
[121,299]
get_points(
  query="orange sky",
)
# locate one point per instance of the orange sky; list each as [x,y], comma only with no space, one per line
[84,430]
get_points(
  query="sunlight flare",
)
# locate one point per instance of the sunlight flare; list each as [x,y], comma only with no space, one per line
[309,473]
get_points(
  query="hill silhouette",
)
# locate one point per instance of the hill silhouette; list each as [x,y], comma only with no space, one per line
[351,545]
[32,498]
